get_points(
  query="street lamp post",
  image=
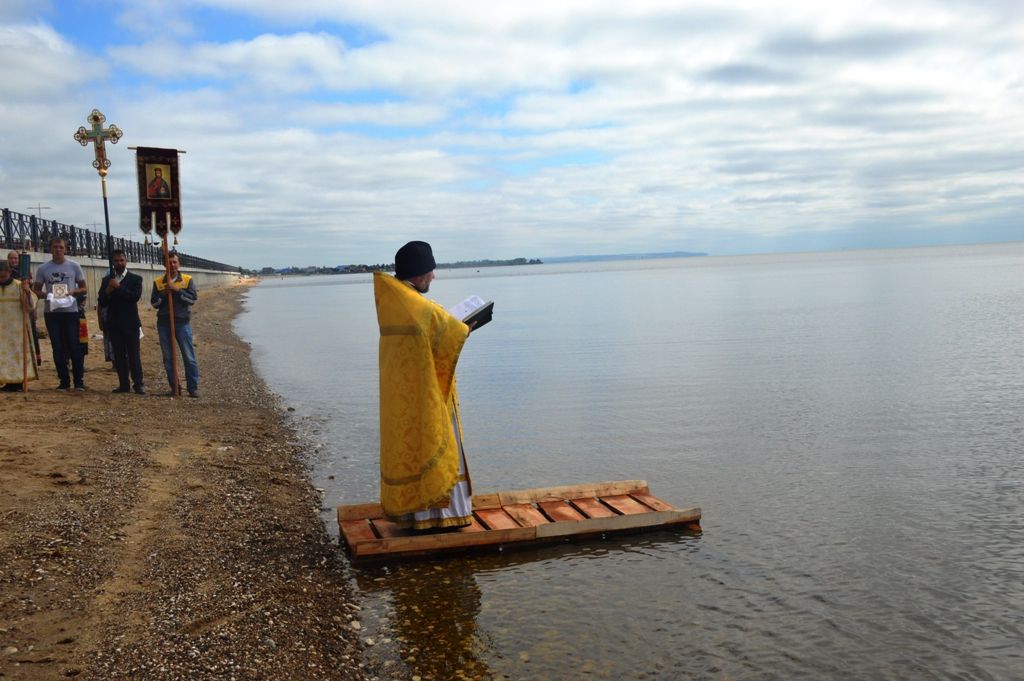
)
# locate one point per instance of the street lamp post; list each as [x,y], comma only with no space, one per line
[39,208]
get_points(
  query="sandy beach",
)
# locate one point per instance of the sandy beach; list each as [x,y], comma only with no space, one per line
[155,538]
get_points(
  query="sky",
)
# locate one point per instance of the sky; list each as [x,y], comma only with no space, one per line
[326,132]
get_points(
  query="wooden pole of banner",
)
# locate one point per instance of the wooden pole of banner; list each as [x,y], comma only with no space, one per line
[26,247]
[26,342]
[174,377]
[176,389]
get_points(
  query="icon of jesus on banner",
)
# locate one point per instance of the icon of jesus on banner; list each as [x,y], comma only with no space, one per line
[157,187]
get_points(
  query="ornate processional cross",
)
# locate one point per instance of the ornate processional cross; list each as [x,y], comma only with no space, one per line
[97,135]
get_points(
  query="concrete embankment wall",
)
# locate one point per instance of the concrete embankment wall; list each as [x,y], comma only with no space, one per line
[95,269]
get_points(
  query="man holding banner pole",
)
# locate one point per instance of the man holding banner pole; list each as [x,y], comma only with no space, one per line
[173,296]
[173,293]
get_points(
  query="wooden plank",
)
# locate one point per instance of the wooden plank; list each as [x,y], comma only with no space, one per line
[625,504]
[653,501]
[495,519]
[356,531]
[359,511]
[592,508]
[496,499]
[618,523]
[526,515]
[595,489]
[560,511]
[491,500]
[473,526]
[428,543]
[385,528]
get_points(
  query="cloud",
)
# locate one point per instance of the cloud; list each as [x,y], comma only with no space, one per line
[37,60]
[526,129]
[141,16]
[294,63]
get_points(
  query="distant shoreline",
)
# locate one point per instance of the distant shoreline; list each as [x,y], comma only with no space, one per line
[465,264]
[623,256]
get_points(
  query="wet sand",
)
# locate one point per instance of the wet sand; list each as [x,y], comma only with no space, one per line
[155,538]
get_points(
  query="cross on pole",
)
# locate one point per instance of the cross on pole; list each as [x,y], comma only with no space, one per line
[97,135]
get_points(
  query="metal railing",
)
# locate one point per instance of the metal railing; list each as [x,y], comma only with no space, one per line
[20,231]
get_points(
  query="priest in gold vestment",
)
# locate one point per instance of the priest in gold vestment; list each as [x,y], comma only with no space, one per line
[17,362]
[424,482]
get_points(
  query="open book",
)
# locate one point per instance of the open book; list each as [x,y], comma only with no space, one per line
[474,309]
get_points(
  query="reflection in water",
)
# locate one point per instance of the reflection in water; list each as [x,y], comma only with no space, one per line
[435,618]
[431,617]
[435,607]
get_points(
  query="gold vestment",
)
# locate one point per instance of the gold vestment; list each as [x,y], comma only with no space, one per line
[420,344]
[16,352]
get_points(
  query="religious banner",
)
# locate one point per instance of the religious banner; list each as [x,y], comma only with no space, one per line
[159,195]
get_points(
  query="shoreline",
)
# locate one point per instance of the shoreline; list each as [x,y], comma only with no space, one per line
[147,537]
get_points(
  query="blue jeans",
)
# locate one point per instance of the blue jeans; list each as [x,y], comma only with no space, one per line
[183,335]
[63,330]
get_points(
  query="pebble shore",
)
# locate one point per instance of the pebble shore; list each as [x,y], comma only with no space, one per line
[148,537]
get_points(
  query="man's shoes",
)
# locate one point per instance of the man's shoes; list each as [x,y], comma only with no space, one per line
[120,390]
[193,393]
[139,390]
[63,388]
[80,388]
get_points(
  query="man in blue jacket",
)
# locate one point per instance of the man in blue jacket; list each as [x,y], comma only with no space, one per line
[181,292]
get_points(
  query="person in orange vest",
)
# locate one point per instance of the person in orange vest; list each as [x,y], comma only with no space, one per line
[180,292]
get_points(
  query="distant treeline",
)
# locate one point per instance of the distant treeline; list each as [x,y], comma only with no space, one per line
[350,269]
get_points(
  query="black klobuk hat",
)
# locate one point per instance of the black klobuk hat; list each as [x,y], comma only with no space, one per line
[413,259]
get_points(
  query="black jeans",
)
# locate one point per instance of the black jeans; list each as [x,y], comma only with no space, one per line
[126,356]
[63,330]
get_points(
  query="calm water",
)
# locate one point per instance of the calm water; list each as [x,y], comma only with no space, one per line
[850,423]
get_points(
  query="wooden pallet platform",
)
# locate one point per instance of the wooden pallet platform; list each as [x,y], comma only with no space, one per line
[519,517]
